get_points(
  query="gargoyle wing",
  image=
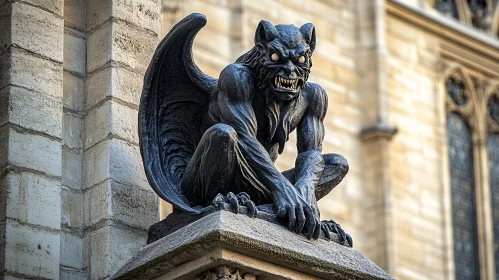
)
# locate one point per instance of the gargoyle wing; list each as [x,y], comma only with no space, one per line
[175,95]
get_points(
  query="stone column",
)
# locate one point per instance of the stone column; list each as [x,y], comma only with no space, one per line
[376,133]
[119,204]
[31,93]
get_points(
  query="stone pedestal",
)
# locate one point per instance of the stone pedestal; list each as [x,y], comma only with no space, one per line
[223,245]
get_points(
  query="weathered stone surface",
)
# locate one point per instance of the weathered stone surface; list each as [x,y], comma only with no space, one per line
[128,205]
[34,151]
[52,6]
[117,82]
[35,73]
[74,53]
[36,30]
[73,16]
[33,251]
[111,247]
[261,240]
[32,199]
[73,92]
[32,110]
[142,13]
[114,159]
[120,43]
[71,168]
[72,209]
[71,250]
[111,118]
[71,274]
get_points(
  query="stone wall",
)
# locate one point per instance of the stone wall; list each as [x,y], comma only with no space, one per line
[74,200]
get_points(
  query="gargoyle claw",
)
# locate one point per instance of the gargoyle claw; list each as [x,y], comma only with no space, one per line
[219,202]
[332,226]
[232,200]
[244,198]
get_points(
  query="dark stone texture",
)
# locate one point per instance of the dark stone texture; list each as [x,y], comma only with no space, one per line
[208,142]
[463,198]
[254,238]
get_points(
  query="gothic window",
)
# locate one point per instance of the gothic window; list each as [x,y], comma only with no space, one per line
[493,157]
[446,7]
[477,13]
[493,154]
[463,198]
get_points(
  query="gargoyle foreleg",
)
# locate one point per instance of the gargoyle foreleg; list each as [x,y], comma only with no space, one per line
[336,167]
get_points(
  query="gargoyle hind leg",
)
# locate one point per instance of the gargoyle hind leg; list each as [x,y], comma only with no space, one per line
[335,169]
[215,172]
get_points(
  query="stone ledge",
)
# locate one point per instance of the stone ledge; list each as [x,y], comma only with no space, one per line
[226,238]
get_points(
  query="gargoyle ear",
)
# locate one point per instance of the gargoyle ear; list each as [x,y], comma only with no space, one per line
[265,32]
[308,32]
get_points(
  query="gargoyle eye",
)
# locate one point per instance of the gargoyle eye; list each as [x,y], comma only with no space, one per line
[301,59]
[274,57]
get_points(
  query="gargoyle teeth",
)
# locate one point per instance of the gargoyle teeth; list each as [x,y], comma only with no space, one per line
[287,84]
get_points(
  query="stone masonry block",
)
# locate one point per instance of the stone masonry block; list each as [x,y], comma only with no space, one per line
[111,118]
[31,251]
[74,53]
[114,159]
[34,152]
[72,136]
[72,209]
[33,110]
[71,168]
[73,17]
[142,13]
[34,73]
[96,165]
[117,82]
[37,30]
[122,43]
[126,165]
[97,201]
[71,274]
[124,204]
[71,250]
[74,92]
[133,206]
[32,199]
[53,6]
[111,248]
[98,124]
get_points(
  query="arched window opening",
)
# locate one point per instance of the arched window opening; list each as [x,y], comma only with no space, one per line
[464,219]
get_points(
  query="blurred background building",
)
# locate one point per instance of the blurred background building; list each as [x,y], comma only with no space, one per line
[413,105]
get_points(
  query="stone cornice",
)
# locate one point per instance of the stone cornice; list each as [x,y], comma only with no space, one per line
[458,42]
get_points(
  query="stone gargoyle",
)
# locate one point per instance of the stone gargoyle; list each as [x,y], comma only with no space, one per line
[211,143]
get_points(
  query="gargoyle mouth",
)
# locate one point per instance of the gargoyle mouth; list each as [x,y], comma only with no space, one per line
[281,83]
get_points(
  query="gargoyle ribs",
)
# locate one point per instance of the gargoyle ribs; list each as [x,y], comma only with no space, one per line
[207,141]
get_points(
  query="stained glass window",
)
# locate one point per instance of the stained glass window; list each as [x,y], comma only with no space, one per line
[493,153]
[463,198]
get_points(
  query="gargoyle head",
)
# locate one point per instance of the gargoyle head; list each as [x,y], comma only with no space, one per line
[281,58]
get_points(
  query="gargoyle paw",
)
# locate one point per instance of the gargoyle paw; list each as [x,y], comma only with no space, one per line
[332,226]
[219,202]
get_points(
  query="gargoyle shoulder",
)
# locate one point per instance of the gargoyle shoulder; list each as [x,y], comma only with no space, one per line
[315,95]
[237,79]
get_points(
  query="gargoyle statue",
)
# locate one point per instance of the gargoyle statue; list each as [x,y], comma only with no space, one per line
[203,139]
